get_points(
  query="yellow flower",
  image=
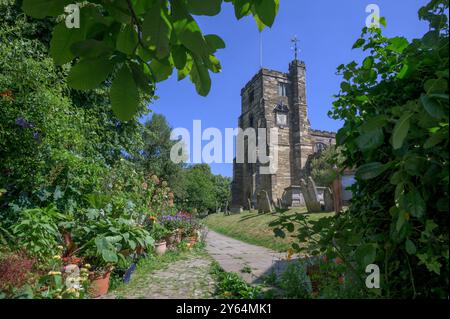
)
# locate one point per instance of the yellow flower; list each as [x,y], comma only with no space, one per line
[60,247]
[87,266]
[57,257]
[71,290]
[290,253]
[54,273]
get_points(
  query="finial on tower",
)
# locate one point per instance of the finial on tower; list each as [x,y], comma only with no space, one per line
[295,41]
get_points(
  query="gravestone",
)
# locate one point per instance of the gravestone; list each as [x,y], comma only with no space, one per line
[328,200]
[309,192]
[264,204]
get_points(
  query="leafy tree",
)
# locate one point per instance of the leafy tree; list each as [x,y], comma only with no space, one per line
[324,166]
[137,43]
[222,191]
[157,147]
[395,109]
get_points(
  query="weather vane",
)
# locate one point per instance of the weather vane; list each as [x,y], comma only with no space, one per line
[295,47]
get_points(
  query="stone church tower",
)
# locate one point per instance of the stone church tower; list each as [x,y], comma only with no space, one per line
[277,99]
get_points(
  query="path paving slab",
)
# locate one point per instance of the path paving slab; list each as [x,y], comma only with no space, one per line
[234,255]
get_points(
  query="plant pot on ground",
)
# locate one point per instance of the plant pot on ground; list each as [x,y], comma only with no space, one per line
[159,233]
[160,247]
[99,282]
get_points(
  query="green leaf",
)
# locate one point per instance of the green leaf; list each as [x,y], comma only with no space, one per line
[433,140]
[431,39]
[187,68]
[142,76]
[398,44]
[403,71]
[124,95]
[161,69]
[42,8]
[410,247]
[90,48]
[118,9]
[157,30]
[366,254]
[127,39]
[62,41]
[401,130]
[432,107]
[368,63]
[359,43]
[415,205]
[259,23]
[290,227]
[200,77]
[214,43]
[346,87]
[370,140]
[267,11]
[279,233]
[179,56]
[89,73]
[371,170]
[241,8]
[109,256]
[189,33]
[202,7]
[436,86]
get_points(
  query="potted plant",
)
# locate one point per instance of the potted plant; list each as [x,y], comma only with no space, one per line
[159,233]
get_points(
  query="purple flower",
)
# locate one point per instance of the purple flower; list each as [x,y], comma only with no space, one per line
[23,123]
[37,136]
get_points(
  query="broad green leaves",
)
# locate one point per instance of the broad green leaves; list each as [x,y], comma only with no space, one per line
[242,8]
[401,130]
[202,7]
[200,77]
[398,44]
[371,170]
[62,41]
[158,34]
[124,94]
[267,10]
[157,30]
[366,254]
[214,42]
[127,39]
[43,8]
[89,74]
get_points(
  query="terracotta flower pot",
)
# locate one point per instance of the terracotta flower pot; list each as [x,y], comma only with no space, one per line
[160,248]
[100,284]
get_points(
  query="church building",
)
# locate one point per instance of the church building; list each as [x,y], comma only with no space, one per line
[277,99]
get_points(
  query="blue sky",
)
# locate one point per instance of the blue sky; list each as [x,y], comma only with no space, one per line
[326,30]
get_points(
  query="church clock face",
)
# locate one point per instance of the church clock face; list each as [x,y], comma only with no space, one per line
[281,119]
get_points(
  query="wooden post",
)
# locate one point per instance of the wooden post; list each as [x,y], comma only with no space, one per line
[337,194]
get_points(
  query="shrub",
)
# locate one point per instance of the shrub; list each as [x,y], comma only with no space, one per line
[295,282]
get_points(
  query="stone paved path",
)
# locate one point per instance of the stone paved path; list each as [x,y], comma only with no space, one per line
[237,256]
[184,279]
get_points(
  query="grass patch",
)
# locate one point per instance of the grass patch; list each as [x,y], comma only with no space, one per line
[254,228]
